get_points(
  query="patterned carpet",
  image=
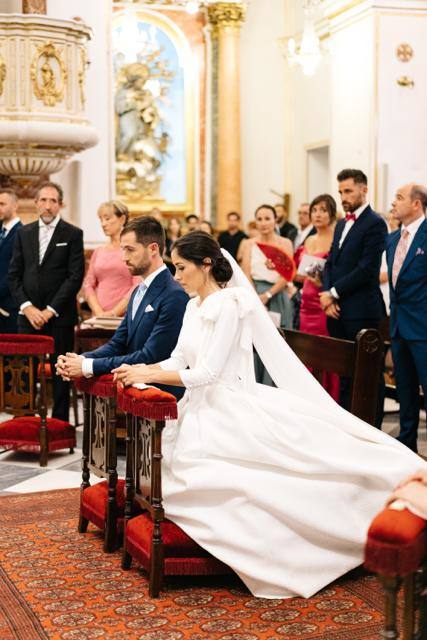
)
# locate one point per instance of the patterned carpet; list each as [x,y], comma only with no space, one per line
[58,584]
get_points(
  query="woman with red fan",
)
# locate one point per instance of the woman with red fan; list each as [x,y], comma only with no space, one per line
[269,283]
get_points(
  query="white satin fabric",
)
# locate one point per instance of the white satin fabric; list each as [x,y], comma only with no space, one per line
[280,484]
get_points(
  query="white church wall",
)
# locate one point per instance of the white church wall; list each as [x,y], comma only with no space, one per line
[87,178]
[402,132]
[262,104]
[353,70]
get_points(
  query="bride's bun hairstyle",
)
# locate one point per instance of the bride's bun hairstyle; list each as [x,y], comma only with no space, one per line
[196,246]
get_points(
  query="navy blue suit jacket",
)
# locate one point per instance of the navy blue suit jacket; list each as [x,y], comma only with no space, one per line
[408,301]
[152,335]
[354,269]
[7,301]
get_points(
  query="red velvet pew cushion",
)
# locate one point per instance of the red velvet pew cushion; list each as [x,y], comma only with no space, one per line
[24,433]
[17,343]
[94,499]
[182,556]
[150,403]
[176,543]
[396,543]
[102,386]
[396,527]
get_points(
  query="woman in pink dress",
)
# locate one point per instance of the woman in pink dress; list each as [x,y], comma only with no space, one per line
[323,212]
[108,282]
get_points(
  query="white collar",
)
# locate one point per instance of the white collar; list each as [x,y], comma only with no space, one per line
[9,225]
[413,227]
[361,209]
[149,279]
[51,225]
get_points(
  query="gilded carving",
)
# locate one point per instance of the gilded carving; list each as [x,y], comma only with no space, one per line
[34,6]
[82,75]
[48,75]
[404,52]
[98,448]
[2,74]
[226,14]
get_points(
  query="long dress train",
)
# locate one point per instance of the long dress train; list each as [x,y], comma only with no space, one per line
[280,484]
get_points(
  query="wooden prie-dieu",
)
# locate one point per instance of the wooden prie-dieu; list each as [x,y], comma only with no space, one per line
[23,393]
[102,503]
[158,544]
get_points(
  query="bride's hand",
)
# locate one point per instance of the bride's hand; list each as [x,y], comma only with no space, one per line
[136,374]
[129,374]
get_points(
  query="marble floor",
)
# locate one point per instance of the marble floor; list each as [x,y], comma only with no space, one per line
[20,471]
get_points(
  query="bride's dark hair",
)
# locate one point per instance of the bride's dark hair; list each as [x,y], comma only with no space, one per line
[196,246]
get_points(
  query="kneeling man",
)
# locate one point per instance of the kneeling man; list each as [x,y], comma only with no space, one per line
[149,331]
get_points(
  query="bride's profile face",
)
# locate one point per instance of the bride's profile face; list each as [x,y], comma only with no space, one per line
[189,275]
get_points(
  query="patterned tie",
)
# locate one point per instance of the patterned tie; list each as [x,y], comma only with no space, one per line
[43,241]
[400,255]
[2,233]
[138,297]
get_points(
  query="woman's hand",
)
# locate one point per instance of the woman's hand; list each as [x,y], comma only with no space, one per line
[316,280]
[264,298]
[130,374]
[269,265]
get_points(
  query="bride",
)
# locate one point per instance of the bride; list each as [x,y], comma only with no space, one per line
[279,483]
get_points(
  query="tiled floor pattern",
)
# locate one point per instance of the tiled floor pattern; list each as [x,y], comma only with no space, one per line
[20,471]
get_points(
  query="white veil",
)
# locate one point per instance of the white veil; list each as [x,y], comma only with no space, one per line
[285,368]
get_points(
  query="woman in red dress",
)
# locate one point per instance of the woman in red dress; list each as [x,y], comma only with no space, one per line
[323,212]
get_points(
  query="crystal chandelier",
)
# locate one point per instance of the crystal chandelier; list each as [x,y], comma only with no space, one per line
[309,54]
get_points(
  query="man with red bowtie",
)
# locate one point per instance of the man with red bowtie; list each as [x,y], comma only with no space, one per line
[352,298]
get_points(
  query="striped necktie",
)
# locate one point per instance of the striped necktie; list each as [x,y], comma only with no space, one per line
[138,298]
[400,255]
[44,237]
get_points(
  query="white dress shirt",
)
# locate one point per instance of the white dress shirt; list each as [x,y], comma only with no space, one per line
[7,226]
[302,236]
[412,229]
[44,229]
[347,227]
[87,363]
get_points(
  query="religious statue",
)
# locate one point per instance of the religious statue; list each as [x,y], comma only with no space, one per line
[141,139]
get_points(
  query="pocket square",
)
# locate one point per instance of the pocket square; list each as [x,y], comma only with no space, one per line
[61,244]
[148,308]
[420,252]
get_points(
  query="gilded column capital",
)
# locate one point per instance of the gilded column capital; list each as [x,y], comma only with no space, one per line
[226,14]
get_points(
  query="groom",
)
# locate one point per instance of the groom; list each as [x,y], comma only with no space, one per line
[149,331]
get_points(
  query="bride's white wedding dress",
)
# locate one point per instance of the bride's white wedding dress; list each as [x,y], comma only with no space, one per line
[280,484]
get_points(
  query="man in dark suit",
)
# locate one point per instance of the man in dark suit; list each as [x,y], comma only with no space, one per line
[407,269]
[352,298]
[10,226]
[45,274]
[285,228]
[149,331]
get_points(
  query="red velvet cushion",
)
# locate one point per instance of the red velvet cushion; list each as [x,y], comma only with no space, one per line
[176,543]
[25,430]
[396,527]
[396,544]
[13,343]
[102,386]
[150,403]
[97,495]
[94,500]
